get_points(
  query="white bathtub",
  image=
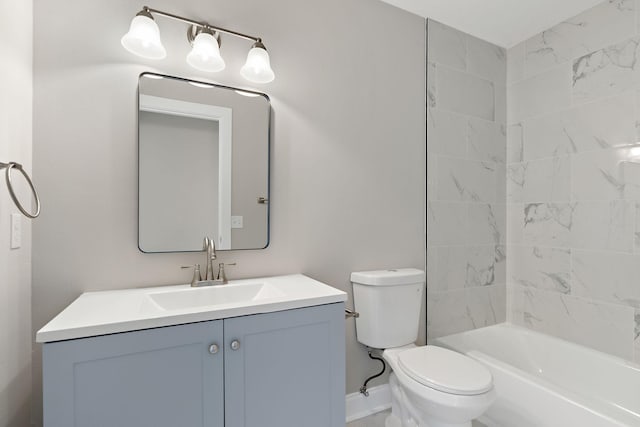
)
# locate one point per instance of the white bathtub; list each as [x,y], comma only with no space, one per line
[543,381]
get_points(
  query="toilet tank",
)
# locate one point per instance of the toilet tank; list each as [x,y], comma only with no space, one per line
[389,303]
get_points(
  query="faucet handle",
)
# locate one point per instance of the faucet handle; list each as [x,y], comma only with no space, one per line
[222,277]
[196,274]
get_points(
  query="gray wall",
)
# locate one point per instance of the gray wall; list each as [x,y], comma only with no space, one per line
[573,212]
[466,147]
[348,154]
[15,264]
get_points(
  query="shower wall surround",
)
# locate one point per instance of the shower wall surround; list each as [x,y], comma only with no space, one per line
[573,198]
[466,146]
[567,241]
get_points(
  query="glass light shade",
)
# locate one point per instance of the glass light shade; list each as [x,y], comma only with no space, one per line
[205,54]
[634,152]
[257,69]
[143,38]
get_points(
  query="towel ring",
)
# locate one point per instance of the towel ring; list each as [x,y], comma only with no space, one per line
[13,165]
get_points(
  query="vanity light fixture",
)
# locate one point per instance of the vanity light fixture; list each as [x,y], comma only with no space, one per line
[205,53]
[143,39]
[257,68]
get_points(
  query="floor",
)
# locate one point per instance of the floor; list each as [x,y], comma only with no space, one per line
[377,420]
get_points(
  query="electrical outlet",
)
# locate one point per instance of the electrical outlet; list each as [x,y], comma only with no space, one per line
[236,221]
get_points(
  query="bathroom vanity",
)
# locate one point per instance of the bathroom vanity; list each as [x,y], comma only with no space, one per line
[257,353]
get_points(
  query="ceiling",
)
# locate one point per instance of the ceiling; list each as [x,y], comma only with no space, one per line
[502,22]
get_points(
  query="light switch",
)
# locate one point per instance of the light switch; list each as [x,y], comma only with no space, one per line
[236,221]
[16,231]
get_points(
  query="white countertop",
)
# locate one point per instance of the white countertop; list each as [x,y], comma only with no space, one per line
[107,312]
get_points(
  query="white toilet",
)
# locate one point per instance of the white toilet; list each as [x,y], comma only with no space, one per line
[430,386]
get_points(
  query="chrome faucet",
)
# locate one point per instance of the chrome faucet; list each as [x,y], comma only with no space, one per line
[197,281]
[209,246]
[208,278]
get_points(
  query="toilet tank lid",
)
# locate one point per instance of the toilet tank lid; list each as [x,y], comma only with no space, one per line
[391,277]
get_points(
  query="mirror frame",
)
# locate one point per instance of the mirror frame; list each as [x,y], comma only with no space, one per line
[153,108]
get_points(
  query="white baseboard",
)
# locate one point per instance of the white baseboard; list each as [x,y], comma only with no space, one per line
[360,406]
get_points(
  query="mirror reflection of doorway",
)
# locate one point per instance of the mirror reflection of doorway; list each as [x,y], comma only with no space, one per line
[185,174]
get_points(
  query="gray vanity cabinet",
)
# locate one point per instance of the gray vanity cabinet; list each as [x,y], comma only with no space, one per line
[280,369]
[150,378]
[288,370]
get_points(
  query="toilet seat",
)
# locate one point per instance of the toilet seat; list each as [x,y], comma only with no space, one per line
[445,370]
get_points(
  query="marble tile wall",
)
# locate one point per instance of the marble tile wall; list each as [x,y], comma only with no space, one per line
[466,188]
[573,195]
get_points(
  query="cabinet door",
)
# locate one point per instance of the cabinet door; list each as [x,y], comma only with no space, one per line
[164,377]
[288,369]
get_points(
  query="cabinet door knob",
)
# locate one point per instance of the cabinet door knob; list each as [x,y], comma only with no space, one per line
[213,348]
[235,345]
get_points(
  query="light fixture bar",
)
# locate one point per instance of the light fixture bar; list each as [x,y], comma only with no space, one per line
[143,39]
[201,24]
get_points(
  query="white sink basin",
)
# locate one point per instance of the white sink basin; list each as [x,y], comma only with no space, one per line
[184,299]
[109,312]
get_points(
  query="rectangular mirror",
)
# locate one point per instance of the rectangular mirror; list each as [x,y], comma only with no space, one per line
[203,165]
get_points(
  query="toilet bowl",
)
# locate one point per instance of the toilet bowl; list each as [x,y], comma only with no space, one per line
[430,386]
[436,387]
